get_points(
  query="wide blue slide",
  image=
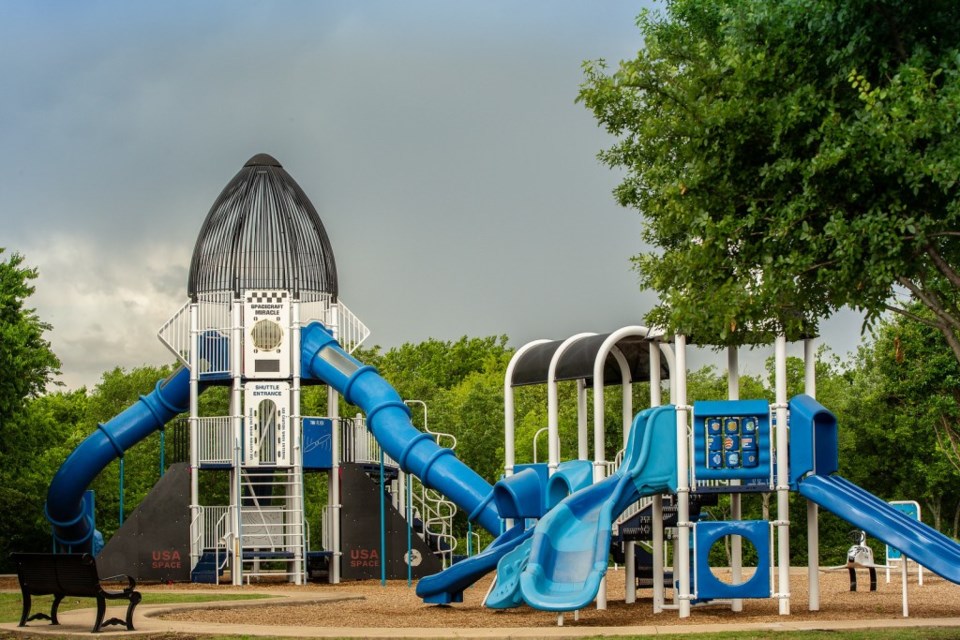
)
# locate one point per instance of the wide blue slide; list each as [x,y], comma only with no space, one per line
[388,419]
[917,541]
[571,543]
[814,462]
[73,527]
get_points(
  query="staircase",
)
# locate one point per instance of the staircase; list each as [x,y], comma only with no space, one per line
[272,529]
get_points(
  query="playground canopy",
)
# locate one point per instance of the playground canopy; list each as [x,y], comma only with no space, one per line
[577,361]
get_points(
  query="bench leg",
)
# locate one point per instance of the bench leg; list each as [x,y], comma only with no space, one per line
[853,578]
[26,609]
[101,611]
[56,607]
[134,601]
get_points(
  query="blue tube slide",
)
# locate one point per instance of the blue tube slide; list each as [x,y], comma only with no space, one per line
[388,419]
[571,543]
[917,541]
[72,526]
[448,585]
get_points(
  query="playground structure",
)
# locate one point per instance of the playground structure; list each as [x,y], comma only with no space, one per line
[734,447]
[263,312]
[264,320]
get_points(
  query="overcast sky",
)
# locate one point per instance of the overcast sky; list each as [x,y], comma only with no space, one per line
[439,141]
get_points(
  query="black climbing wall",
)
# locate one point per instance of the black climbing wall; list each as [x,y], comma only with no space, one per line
[154,542]
[360,533]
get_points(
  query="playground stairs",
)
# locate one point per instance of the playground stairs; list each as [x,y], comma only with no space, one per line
[206,570]
[272,528]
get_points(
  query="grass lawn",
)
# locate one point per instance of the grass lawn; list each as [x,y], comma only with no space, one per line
[11,603]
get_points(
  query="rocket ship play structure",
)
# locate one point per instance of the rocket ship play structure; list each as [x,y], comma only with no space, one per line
[264,321]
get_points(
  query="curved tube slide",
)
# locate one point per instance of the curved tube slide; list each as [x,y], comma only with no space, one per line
[571,544]
[448,585]
[388,419]
[64,508]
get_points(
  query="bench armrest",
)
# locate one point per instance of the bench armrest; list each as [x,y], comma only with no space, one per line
[131,583]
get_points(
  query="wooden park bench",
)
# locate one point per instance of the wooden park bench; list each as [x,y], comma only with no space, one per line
[69,575]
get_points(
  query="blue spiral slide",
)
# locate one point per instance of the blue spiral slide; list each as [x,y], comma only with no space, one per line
[388,419]
[73,527]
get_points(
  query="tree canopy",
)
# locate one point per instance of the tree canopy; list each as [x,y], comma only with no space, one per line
[27,362]
[790,158]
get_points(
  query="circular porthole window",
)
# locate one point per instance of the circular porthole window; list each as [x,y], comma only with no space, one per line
[267,335]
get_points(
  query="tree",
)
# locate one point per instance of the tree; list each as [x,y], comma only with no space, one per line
[900,425]
[790,158]
[26,359]
[38,439]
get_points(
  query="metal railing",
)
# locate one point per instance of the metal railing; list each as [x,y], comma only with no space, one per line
[215,440]
[214,324]
[436,516]
[317,307]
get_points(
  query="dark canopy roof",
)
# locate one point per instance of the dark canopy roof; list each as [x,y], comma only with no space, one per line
[262,233]
[576,363]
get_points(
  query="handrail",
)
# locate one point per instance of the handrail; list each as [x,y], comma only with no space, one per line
[437,435]
[224,539]
[436,513]
[474,535]
[198,541]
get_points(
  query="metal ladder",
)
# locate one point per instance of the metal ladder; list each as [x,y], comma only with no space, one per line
[272,526]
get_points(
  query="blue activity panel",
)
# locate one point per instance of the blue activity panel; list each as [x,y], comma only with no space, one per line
[909,508]
[706,585]
[731,440]
[317,443]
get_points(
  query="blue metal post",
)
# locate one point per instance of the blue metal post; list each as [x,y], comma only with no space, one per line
[469,538]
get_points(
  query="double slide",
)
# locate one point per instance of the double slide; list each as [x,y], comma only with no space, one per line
[571,543]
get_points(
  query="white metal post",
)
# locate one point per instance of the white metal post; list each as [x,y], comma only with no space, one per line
[657,508]
[196,524]
[813,511]
[583,433]
[736,512]
[509,428]
[682,549]
[296,501]
[236,412]
[333,498]
[903,583]
[783,475]
[553,402]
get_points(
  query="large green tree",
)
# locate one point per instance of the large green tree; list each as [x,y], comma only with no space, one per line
[27,363]
[790,158]
[900,424]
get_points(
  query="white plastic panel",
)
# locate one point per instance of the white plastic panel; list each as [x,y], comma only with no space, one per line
[266,330]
